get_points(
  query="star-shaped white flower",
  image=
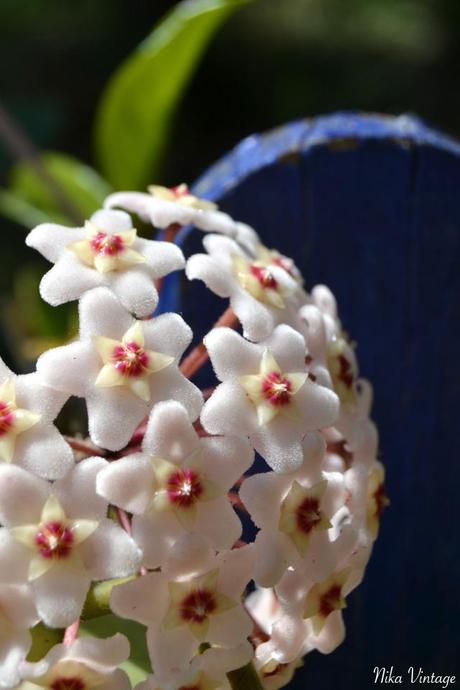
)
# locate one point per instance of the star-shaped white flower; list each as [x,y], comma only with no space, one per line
[178,484]
[207,670]
[105,252]
[85,664]
[377,499]
[121,366]
[17,615]
[326,597]
[128,363]
[261,295]
[27,434]
[196,598]
[165,206]
[13,419]
[57,538]
[266,394]
[293,513]
[333,359]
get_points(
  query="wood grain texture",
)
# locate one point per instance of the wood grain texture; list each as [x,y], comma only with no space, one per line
[370,206]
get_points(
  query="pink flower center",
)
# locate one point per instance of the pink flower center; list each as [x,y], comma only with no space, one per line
[6,418]
[264,276]
[54,540]
[109,245]
[330,600]
[184,488]
[68,684]
[307,514]
[276,389]
[346,372]
[381,500]
[197,606]
[131,360]
[180,191]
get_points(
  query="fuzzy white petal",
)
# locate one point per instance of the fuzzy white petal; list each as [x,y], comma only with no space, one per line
[128,482]
[144,600]
[59,596]
[135,290]
[68,280]
[77,491]
[22,496]
[169,433]
[110,552]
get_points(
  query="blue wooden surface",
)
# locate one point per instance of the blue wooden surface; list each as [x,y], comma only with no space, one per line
[370,206]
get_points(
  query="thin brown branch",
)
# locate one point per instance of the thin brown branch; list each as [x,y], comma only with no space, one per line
[84,447]
[199,355]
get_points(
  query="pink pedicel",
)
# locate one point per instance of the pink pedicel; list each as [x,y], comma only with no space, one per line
[131,360]
[54,540]
[180,191]
[184,488]
[108,245]
[6,418]
[276,389]
[197,606]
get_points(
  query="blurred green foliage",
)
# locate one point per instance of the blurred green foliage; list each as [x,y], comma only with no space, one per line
[131,136]
[82,188]
[62,63]
[136,109]
[138,665]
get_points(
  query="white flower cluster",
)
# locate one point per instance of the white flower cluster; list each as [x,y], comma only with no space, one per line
[160,496]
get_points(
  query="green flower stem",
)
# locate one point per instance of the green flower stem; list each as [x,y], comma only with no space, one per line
[245,678]
[97,600]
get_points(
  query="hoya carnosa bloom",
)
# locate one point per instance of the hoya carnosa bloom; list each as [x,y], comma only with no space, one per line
[17,616]
[105,252]
[326,597]
[59,540]
[196,598]
[207,670]
[261,296]
[121,366]
[266,394]
[293,512]
[177,484]
[27,434]
[164,206]
[377,500]
[85,664]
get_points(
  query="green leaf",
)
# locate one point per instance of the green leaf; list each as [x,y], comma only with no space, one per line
[245,678]
[17,209]
[138,665]
[43,639]
[98,597]
[71,191]
[135,112]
